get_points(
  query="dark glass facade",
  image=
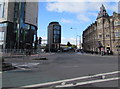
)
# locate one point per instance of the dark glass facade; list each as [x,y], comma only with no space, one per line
[7,35]
[17,34]
[57,34]
[26,34]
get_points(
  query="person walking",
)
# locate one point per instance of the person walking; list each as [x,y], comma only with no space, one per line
[102,51]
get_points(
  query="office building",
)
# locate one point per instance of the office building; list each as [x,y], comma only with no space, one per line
[54,36]
[18,25]
[103,33]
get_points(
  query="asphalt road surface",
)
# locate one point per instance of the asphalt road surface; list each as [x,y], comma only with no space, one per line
[60,66]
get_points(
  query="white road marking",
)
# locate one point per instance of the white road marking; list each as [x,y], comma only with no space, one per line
[68,80]
[0,72]
[88,82]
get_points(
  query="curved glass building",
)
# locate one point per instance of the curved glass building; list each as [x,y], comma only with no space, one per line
[18,25]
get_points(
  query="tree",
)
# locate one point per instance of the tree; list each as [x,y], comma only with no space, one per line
[69,44]
[40,40]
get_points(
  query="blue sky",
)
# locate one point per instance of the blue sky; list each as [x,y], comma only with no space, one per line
[78,15]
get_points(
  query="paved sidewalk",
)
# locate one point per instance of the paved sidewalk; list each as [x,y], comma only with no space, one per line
[89,54]
[8,55]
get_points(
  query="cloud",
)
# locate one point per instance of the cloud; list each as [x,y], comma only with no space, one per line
[80,0]
[93,14]
[82,10]
[79,7]
[66,21]
[83,18]
[66,7]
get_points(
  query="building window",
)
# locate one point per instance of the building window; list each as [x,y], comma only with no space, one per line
[107,35]
[26,26]
[1,10]
[57,32]
[1,36]
[117,34]
[3,24]
[33,27]
[57,27]
[116,23]
[100,36]
[56,38]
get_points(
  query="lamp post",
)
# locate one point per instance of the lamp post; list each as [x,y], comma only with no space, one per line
[76,38]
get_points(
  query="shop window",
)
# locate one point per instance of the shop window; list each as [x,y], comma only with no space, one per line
[1,36]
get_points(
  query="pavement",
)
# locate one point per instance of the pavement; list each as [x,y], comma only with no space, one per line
[59,66]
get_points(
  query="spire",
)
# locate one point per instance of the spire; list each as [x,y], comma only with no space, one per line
[103,12]
[103,7]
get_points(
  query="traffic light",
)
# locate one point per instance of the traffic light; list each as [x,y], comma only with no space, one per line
[40,40]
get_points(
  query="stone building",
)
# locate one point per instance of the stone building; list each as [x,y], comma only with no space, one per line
[103,33]
[18,24]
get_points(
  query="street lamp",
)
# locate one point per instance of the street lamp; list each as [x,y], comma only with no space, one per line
[76,38]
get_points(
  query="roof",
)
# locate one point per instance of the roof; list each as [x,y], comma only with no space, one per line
[103,12]
[53,23]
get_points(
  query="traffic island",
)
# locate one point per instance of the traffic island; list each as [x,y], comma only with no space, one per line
[7,66]
[41,58]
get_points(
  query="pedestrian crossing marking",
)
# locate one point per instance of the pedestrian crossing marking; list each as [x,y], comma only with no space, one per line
[87,82]
[79,78]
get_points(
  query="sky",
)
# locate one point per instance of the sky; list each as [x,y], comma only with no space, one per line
[78,15]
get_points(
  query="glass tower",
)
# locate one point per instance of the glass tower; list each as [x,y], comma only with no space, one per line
[15,33]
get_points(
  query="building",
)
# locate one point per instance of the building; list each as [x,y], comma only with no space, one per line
[103,33]
[54,36]
[18,25]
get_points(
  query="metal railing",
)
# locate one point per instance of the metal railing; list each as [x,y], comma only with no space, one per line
[15,52]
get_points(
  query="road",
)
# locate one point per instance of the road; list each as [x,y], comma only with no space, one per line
[60,66]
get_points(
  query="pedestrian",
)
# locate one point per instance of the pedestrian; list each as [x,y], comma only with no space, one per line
[109,52]
[102,51]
